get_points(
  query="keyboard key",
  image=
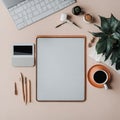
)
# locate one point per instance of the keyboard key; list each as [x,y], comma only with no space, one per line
[36,18]
[28,5]
[35,13]
[44,9]
[15,17]
[18,10]
[30,15]
[24,13]
[20,15]
[18,21]
[26,18]
[25,7]
[49,6]
[46,1]
[36,1]
[28,11]
[12,13]
[29,21]
[42,4]
[38,6]
[21,25]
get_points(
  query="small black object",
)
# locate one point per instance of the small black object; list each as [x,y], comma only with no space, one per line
[76,10]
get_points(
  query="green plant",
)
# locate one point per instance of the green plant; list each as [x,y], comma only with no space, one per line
[109,39]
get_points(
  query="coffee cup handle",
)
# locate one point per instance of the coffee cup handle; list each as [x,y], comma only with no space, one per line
[106,86]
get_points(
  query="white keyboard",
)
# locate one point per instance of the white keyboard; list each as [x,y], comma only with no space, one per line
[30,11]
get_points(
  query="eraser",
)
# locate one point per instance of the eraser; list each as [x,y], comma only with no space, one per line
[63,17]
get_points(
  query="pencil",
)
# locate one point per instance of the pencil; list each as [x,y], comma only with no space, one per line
[26,91]
[16,91]
[61,24]
[23,89]
[29,91]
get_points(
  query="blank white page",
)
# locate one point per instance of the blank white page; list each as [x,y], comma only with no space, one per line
[60,69]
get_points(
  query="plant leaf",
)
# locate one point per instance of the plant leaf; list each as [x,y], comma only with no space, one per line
[114,57]
[101,46]
[116,35]
[105,26]
[118,28]
[113,23]
[98,27]
[99,34]
[108,48]
[117,66]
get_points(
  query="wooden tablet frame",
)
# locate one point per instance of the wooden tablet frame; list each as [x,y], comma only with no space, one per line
[63,36]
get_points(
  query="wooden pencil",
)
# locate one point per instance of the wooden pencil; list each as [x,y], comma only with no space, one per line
[29,90]
[23,89]
[26,91]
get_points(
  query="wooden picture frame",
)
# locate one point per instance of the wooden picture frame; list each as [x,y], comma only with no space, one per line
[50,99]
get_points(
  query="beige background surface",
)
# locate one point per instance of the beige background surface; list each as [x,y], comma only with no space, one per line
[99,105]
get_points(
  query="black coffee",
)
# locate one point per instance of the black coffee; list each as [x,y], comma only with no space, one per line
[100,77]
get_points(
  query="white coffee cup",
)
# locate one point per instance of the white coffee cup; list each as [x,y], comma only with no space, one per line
[101,77]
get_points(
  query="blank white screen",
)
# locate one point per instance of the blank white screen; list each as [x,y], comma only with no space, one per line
[60,69]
